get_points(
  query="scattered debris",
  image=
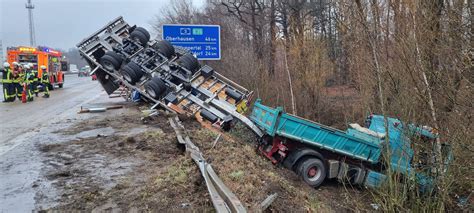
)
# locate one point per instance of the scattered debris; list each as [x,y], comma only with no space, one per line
[99,109]
[268,201]
[147,114]
[215,141]
[138,168]
[375,206]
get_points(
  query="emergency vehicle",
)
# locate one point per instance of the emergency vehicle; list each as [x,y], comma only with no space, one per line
[39,56]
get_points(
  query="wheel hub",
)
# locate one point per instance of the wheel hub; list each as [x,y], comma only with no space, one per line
[108,65]
[312,171]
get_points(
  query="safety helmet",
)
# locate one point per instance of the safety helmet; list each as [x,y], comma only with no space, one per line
[43,67]
[6,64]
[15,63]
[26,66]
[30,65]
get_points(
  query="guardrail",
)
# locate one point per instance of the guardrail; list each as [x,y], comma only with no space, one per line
[222,197]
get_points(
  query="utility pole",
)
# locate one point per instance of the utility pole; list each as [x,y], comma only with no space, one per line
[30,8]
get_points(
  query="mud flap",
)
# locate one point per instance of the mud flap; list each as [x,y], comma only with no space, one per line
[107,81]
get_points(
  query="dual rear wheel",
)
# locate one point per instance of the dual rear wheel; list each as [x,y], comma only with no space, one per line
[132,72]
[111,61]
[155,87]
[165,48]
[189,62]
[141,35]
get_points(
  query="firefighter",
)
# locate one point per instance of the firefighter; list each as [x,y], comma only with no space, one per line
[7,81]
[27,82]
[18,79]
[35,81]
[45,81]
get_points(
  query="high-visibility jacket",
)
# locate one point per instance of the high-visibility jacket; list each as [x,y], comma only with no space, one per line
[35,75]
[29,76]
[44,77]
[20,78]
[7,75]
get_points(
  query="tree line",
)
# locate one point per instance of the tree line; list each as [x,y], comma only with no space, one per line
[337,61]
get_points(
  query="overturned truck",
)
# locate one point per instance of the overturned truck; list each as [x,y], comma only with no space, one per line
[165,76]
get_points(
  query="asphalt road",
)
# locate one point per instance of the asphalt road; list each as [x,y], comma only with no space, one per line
[24,126]
[20,118]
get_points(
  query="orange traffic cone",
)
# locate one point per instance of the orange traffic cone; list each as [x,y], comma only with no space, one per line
[23,94]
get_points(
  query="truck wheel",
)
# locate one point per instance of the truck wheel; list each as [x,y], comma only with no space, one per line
[189,62]
[134,66]
[139,36]
[111,61]
[132,73]
[144,31]
[129,74]
[164,47]
[155,87]
[60,85]
[313,171]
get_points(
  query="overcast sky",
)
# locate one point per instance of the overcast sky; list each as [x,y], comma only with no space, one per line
[64,23]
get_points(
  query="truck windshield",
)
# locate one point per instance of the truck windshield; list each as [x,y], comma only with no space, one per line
[27,58]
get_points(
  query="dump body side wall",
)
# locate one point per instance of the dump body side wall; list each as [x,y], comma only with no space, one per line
[276,122]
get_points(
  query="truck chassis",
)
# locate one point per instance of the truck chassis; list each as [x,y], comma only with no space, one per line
[165,76]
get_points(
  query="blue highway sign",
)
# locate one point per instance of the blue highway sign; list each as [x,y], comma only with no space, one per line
[202,40]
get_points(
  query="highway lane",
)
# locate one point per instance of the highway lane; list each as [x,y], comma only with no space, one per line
[19,118]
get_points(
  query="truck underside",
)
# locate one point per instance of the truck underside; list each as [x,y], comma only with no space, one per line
[165,76]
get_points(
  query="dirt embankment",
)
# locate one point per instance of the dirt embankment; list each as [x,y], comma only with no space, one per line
[131,166]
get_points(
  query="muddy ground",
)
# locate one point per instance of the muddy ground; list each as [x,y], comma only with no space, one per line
[121,164]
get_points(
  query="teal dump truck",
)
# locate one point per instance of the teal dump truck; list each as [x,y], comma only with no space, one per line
[317,152]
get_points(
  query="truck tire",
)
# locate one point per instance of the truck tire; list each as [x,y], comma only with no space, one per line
[60,85]
[144,31]
[131,75]
[134,66]
[312,171]
[189,62]
[111,61]
[165,48]
[139,36]
[155,88]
